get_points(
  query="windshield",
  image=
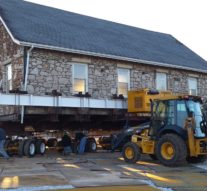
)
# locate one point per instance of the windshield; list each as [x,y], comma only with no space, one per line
[195,107]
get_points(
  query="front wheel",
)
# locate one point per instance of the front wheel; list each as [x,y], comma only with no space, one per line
[171,150]
[131,152]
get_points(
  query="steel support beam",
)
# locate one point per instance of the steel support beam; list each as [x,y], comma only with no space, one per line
[59,101]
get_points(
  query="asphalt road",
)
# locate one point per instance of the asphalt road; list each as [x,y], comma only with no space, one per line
[93,171]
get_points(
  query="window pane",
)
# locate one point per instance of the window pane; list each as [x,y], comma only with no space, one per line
[161,81]
[192,84]
[9,72]
[79,85]
[123,81]
[171,113]
[80,77]
[9,76]
[80,71]
[123,75]
[122,88]
[181,113]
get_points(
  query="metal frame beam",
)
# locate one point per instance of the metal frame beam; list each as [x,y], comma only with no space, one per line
[59,101]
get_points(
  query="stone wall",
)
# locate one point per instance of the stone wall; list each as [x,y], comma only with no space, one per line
[53,70]
[10,53]
[49,70]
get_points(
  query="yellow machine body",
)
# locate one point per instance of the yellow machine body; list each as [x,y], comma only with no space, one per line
[147,145]
[139,100]
[194,144]
[167,143]
[143,141]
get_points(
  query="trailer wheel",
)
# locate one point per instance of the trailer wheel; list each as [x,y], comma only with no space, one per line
[171,150]
[29,148]
[40,146]
[21,148]
[131,152]
[92,146]
[7,144]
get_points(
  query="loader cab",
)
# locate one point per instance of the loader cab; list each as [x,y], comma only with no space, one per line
[169,115]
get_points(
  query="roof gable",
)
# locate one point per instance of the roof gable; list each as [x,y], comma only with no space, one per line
[47,26]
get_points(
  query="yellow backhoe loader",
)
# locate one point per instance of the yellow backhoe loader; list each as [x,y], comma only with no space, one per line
[177,130]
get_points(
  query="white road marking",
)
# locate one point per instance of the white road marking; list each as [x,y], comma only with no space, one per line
[40,188]
[201,165]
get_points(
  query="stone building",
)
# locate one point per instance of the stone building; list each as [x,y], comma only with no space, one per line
[45,50]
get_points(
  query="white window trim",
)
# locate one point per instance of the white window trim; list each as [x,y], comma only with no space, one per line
[128,79]
[86,73]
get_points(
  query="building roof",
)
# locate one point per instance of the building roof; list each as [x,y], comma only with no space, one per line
[44,27]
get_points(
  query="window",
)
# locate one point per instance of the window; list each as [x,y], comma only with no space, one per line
[123,81]
[80,78]
[9,76]
[181,113]
[161,81]
[192,86]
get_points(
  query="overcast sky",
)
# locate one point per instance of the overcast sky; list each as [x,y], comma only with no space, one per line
[186,20]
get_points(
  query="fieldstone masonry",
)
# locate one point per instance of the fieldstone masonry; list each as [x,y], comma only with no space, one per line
[49,70]
[53,70]
[10,53]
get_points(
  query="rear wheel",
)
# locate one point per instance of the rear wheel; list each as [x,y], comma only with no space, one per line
[40,146]
[198,159]
[131,152]
[7,145]
[171,150]
[21,148]
[29,148]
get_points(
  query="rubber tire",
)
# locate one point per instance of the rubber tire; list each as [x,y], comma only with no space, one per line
[153,156]
[6,145]
[198,159]
[39,143]
[179,147]
[27,148]
[21,148]
[92,146]
[136,150]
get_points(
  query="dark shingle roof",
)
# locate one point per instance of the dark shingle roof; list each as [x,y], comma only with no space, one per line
[34,23]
